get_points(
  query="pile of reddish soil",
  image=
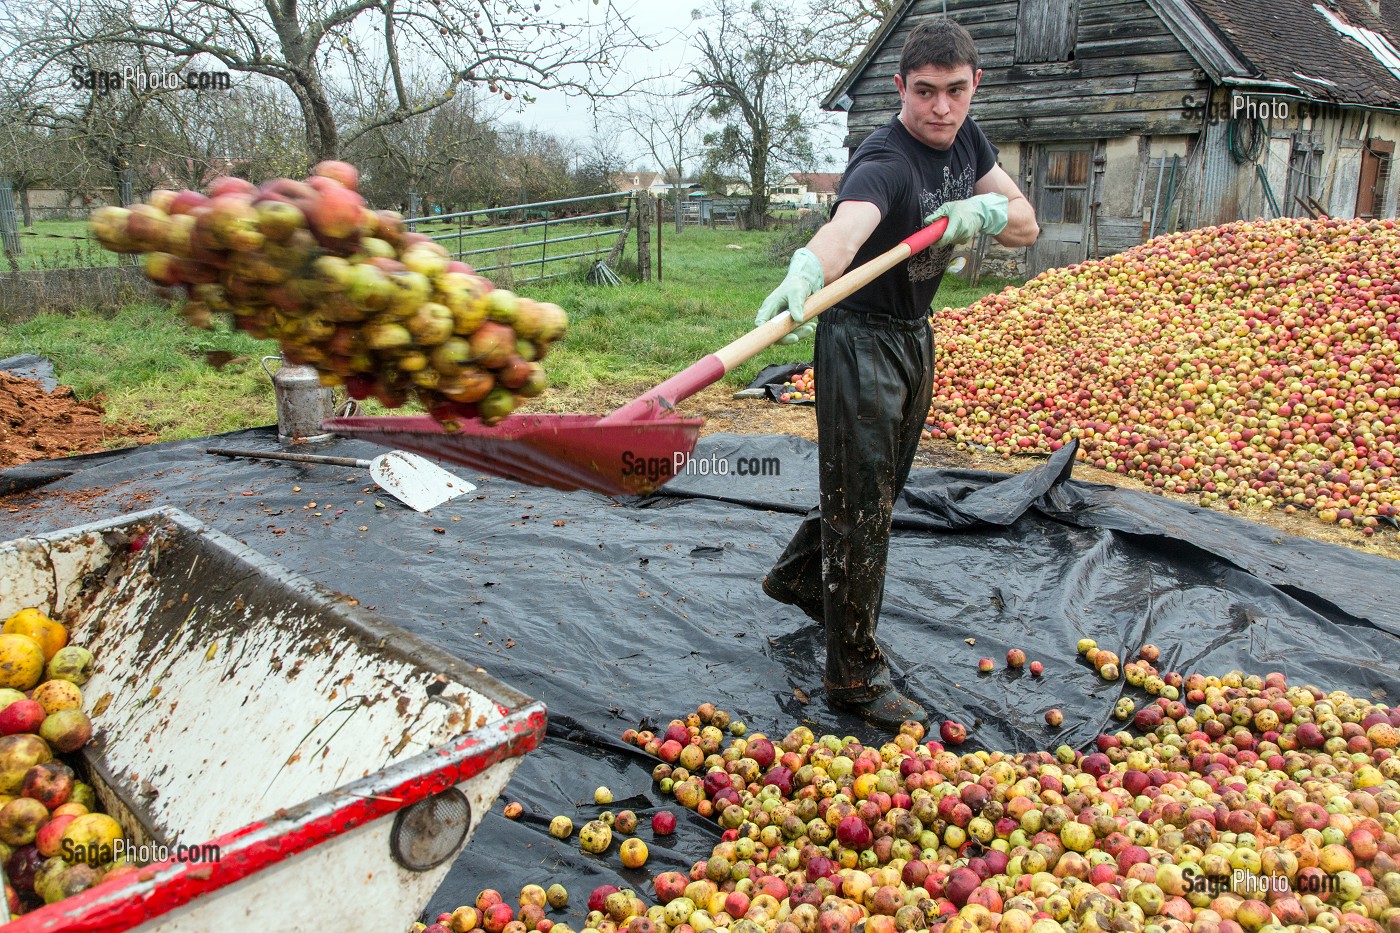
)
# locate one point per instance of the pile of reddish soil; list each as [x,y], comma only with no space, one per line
[39,425]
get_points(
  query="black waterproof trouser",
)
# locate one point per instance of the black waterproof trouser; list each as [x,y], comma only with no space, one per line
[876,380]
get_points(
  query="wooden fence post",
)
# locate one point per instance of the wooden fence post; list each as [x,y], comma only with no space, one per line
[620,246]
[645,205]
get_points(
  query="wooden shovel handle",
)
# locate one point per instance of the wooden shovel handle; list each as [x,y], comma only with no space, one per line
[297,458]
[706,372]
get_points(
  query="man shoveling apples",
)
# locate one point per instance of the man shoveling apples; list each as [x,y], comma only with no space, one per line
[874,350]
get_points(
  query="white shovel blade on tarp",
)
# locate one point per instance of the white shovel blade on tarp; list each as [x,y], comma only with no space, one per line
[415,481]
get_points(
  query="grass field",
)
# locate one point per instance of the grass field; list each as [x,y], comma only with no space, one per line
[64,244]
[149,365]
[61,244]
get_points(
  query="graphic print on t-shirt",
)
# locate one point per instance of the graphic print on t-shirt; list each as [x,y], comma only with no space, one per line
[932,262]
[907,181]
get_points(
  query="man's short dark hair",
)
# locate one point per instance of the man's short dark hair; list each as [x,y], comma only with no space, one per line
[937,43]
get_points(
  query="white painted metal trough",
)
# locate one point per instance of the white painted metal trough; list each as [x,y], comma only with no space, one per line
[337,764]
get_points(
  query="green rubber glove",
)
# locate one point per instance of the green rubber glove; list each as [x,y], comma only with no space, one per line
[804,279]
[982,213]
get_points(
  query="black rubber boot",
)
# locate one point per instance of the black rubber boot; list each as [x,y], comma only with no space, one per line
[882,705]
[775,588]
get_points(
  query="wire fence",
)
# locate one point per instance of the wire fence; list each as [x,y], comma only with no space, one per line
[526,237]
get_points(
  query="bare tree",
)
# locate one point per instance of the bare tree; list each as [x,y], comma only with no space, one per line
[666,124]
[506,46]
[534,166]
[754,76]
[245,131]
[189,139]
[471,128]
[511,165]
[840,29]
[481,180]
[262,133]
[104,131]
[598,164]
[33,155]
[27,157]
[403,158]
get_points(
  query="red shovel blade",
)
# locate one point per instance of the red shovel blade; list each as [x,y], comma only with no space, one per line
[562,451]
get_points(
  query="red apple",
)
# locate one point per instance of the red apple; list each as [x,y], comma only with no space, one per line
[342,172]
[228,185]
[22,716]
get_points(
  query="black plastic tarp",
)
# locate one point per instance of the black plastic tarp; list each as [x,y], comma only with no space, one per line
[30,366]
[616,612]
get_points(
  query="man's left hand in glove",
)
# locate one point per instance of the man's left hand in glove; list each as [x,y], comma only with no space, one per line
[981,213]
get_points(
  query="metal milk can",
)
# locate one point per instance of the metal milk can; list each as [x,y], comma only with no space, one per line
[302,402]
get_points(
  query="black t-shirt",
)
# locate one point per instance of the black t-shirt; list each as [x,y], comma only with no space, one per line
[908,180]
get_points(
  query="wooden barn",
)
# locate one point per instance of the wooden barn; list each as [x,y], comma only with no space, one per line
[1123,119]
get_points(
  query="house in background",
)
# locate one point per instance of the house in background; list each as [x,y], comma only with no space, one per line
[653,182]
[805,189]
[1124,119]
[636,181]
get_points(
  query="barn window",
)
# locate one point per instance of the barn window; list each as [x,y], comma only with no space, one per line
[1064,189]
[1045,31]
[1375,178]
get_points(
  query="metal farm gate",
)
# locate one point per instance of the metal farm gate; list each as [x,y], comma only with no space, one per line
[526,238]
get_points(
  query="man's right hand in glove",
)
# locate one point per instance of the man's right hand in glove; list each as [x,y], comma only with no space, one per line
[804,279]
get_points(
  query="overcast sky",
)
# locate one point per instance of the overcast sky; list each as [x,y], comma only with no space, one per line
[670,25]
[668,22]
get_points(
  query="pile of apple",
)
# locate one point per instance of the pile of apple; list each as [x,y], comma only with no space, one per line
[372,306]
[53,841]
[802,388]
[1237,804]
[1256,363]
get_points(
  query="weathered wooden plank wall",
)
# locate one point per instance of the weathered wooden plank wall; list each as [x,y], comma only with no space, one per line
[1128,76]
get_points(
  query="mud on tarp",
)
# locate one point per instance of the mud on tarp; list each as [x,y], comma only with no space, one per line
[618,612]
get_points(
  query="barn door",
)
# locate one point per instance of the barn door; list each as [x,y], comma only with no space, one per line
[1304,174]
[1060,193]
[1375,178]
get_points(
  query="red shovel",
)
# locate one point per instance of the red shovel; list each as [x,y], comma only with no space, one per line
[632,451]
